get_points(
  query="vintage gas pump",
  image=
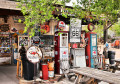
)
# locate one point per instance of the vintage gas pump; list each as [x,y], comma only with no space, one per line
[61,48]
[91,48]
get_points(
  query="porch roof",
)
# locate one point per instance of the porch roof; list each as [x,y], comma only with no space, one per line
[6,4]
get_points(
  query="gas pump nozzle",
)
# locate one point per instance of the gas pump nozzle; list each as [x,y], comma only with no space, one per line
[86,41]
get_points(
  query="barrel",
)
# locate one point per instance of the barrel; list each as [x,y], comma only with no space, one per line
[111,56]
[28,70]
[45,71]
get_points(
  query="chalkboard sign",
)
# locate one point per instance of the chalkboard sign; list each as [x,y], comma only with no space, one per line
[23,40]
[4,27]
[36,40]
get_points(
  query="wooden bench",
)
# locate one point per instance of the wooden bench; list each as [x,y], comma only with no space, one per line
[96,74]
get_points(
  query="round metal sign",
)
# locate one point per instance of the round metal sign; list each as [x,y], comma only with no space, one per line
[61,25]
[34,54]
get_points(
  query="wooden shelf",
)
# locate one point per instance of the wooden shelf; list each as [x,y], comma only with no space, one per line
[5,54]
[5,47]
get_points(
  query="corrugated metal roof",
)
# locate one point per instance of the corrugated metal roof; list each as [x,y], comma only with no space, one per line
[6,4]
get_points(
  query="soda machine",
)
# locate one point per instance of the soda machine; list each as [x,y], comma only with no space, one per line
[91,50]
[61,48]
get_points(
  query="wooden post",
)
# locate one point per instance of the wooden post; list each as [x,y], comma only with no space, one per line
[21,69]
[78,78]
[21,72]
[17,68]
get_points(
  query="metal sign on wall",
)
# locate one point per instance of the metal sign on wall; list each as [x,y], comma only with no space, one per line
[75,30]
[34,54]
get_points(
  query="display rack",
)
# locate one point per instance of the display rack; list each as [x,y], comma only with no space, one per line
[5,48]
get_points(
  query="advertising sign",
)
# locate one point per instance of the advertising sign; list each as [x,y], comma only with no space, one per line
[75,30]
[34,54]
[61,25]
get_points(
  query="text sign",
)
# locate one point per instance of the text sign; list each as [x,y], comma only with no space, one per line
[36,40]
[34,54]
[75,30]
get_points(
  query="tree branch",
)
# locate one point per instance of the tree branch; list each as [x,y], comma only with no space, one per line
[107,27]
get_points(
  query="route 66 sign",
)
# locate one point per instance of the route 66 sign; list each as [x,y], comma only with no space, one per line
[75,30]
[34,54]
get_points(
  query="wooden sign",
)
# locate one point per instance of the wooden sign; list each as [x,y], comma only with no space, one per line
[34,54]
[75,30]
[4,27]
[16,19]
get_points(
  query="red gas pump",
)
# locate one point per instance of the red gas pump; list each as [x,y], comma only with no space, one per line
[91,48]
[61,48]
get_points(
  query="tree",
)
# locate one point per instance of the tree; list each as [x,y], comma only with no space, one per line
[106,12]
[116,28]
[39,11]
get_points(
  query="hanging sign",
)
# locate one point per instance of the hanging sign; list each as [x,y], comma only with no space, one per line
[75,30]
[36,40]
[34,54]
[61,25]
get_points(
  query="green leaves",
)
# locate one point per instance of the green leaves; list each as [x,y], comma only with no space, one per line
[19,20]
[39,11]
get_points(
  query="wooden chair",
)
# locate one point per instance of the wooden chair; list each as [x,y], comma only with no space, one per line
[19,68]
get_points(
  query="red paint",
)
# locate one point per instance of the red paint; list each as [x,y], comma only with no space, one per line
[64,52]
[62,23]
[33,53]
[94,52]
[74,45]
[45,71]
[45,27]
